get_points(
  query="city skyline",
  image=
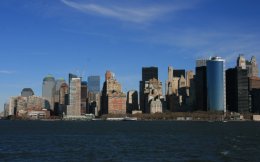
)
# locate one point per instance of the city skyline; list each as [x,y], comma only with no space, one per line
[90,37]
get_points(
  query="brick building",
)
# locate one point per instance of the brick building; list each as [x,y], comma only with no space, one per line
[113,99]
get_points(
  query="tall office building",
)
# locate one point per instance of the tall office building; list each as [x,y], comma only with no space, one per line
[26,92]
[201,85]
[63,100]
[113,99]
[148,73]
[178,73]
[132,101]
[189,77]
[94,84]
[58,84]
[48,90]
[74,108]
[84,96]
[237,90]
[216,84]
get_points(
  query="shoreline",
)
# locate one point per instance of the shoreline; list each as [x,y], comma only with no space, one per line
[176,116]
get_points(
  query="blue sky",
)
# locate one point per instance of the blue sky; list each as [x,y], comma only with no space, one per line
[88,37]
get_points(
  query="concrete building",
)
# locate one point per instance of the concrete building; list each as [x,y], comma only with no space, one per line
[177,91]
[21,106]
[74,108]
[113,99]
[252,67]
[94,103]
[152,96]
[26,92]
[189,77]
[48,90]
[241,62]
[148,73]
[254,83]
[237,89]
[216,84]
[132,101]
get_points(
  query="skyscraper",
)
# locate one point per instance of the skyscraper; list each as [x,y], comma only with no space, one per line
[58,84]
[132,101]
[84,96]
[148,73]
[94,84]
[237,90]
[216,84]
[178,73]
[113,99]
[48,90]
[201,85]
[74,108]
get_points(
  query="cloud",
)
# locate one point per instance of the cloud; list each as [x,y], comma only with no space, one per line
[131,14]
[6,72]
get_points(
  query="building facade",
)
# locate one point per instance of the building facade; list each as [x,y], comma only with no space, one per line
[237,90]
[48,90]
[94,84]
[113,98]
[201,86]
[74,108]
[84,97]
[132,101]
[148,73]
[216,84]
[153,96]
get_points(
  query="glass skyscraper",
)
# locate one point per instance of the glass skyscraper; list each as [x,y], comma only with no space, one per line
[48,89]
[216,84]
[94,84]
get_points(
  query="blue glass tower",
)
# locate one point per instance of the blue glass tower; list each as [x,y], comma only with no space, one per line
[94,84]
[216,84]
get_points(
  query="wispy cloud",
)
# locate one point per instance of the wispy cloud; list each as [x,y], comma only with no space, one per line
[136,14]
[6,72]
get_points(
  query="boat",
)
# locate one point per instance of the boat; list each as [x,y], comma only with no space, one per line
[130,119]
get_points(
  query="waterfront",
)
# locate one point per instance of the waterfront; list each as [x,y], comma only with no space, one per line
[129,141]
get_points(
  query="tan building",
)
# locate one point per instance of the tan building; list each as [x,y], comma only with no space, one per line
[254,83]
[74,109]
[153,96]
[113,99]
[189,77]
[178,89]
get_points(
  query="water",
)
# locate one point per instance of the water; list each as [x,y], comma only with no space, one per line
[129,141]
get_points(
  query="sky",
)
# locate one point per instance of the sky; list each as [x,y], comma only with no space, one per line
[88,37]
